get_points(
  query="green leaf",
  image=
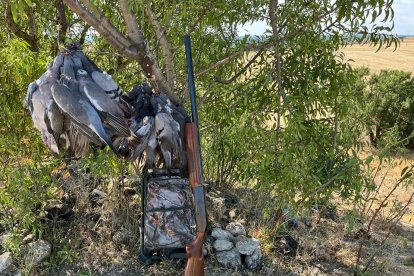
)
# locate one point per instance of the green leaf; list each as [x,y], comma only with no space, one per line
[404,170]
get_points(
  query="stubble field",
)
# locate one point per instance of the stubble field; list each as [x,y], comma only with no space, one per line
[400,59]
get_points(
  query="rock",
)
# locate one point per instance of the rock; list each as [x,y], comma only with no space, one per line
[220,234]
[222,245]
[217,205]
[247,246]
[98,193]
[229,258]
[97,197]
[286,245]
[5,262]
[28,238]
[57,211]
[37,252]
[128,191]
[239,238]
[232,214]
[254,260]
[236,228]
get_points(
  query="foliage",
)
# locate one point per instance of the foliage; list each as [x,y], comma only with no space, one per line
[278,112]
[390,105]
[24,174]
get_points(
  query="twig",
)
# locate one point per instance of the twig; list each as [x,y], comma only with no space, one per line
[165,46]
[63,23]
[30,38]
[137,51]
[238,74]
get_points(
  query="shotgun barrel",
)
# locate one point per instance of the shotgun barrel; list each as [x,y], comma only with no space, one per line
[195,262]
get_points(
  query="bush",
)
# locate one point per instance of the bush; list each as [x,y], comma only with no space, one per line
[390,105]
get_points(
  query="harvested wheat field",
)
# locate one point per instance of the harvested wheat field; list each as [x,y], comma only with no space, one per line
[400,59]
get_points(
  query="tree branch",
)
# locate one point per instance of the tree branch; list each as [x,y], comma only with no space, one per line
[241,71]
[63,23]
[232,56]
[89,18]
[30,38]
[165,46]
[83,34]
[138,51]
[107,24]
[134,32]
[278,68]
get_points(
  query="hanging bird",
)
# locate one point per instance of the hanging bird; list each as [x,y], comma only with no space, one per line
[54,120]
[37,97]
[81,113]
[167,137]
[107,83]
[176,118]
[87,64]
[142,106]
[107,108]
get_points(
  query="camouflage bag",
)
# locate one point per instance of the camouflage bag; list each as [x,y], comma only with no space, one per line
[168,220]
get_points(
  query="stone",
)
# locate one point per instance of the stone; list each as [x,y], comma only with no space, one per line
[5,262]
[286,245]
[230,258]
[239,238]
[236,229]
[220,234]
[217,205]
[28,238]
[37,252]
[5,238]
[98,193]
[222,245]
[247,246]
[253,261]
[232,214]
[128,191]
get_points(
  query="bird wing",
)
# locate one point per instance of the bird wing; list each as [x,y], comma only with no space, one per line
[105,81]
[27,102]
[80,112]
[110,110]
[168,136]
[55,119]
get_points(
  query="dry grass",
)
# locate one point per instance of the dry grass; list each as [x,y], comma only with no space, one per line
[401,59]
[389,175]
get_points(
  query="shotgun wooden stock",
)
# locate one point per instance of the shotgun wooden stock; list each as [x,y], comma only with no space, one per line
[195,262]
[195,255]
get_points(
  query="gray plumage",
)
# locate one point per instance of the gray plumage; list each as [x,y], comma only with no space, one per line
[68,76]
[109,110]
[87,65]
[145,134]
[54,120]
[167,137]
[38,95]
[108,84]
[27,102]
[81,113]
[104,80]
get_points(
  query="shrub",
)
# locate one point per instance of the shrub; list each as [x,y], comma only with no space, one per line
[390,105]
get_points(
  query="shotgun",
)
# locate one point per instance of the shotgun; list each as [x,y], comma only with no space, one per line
[195,262]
